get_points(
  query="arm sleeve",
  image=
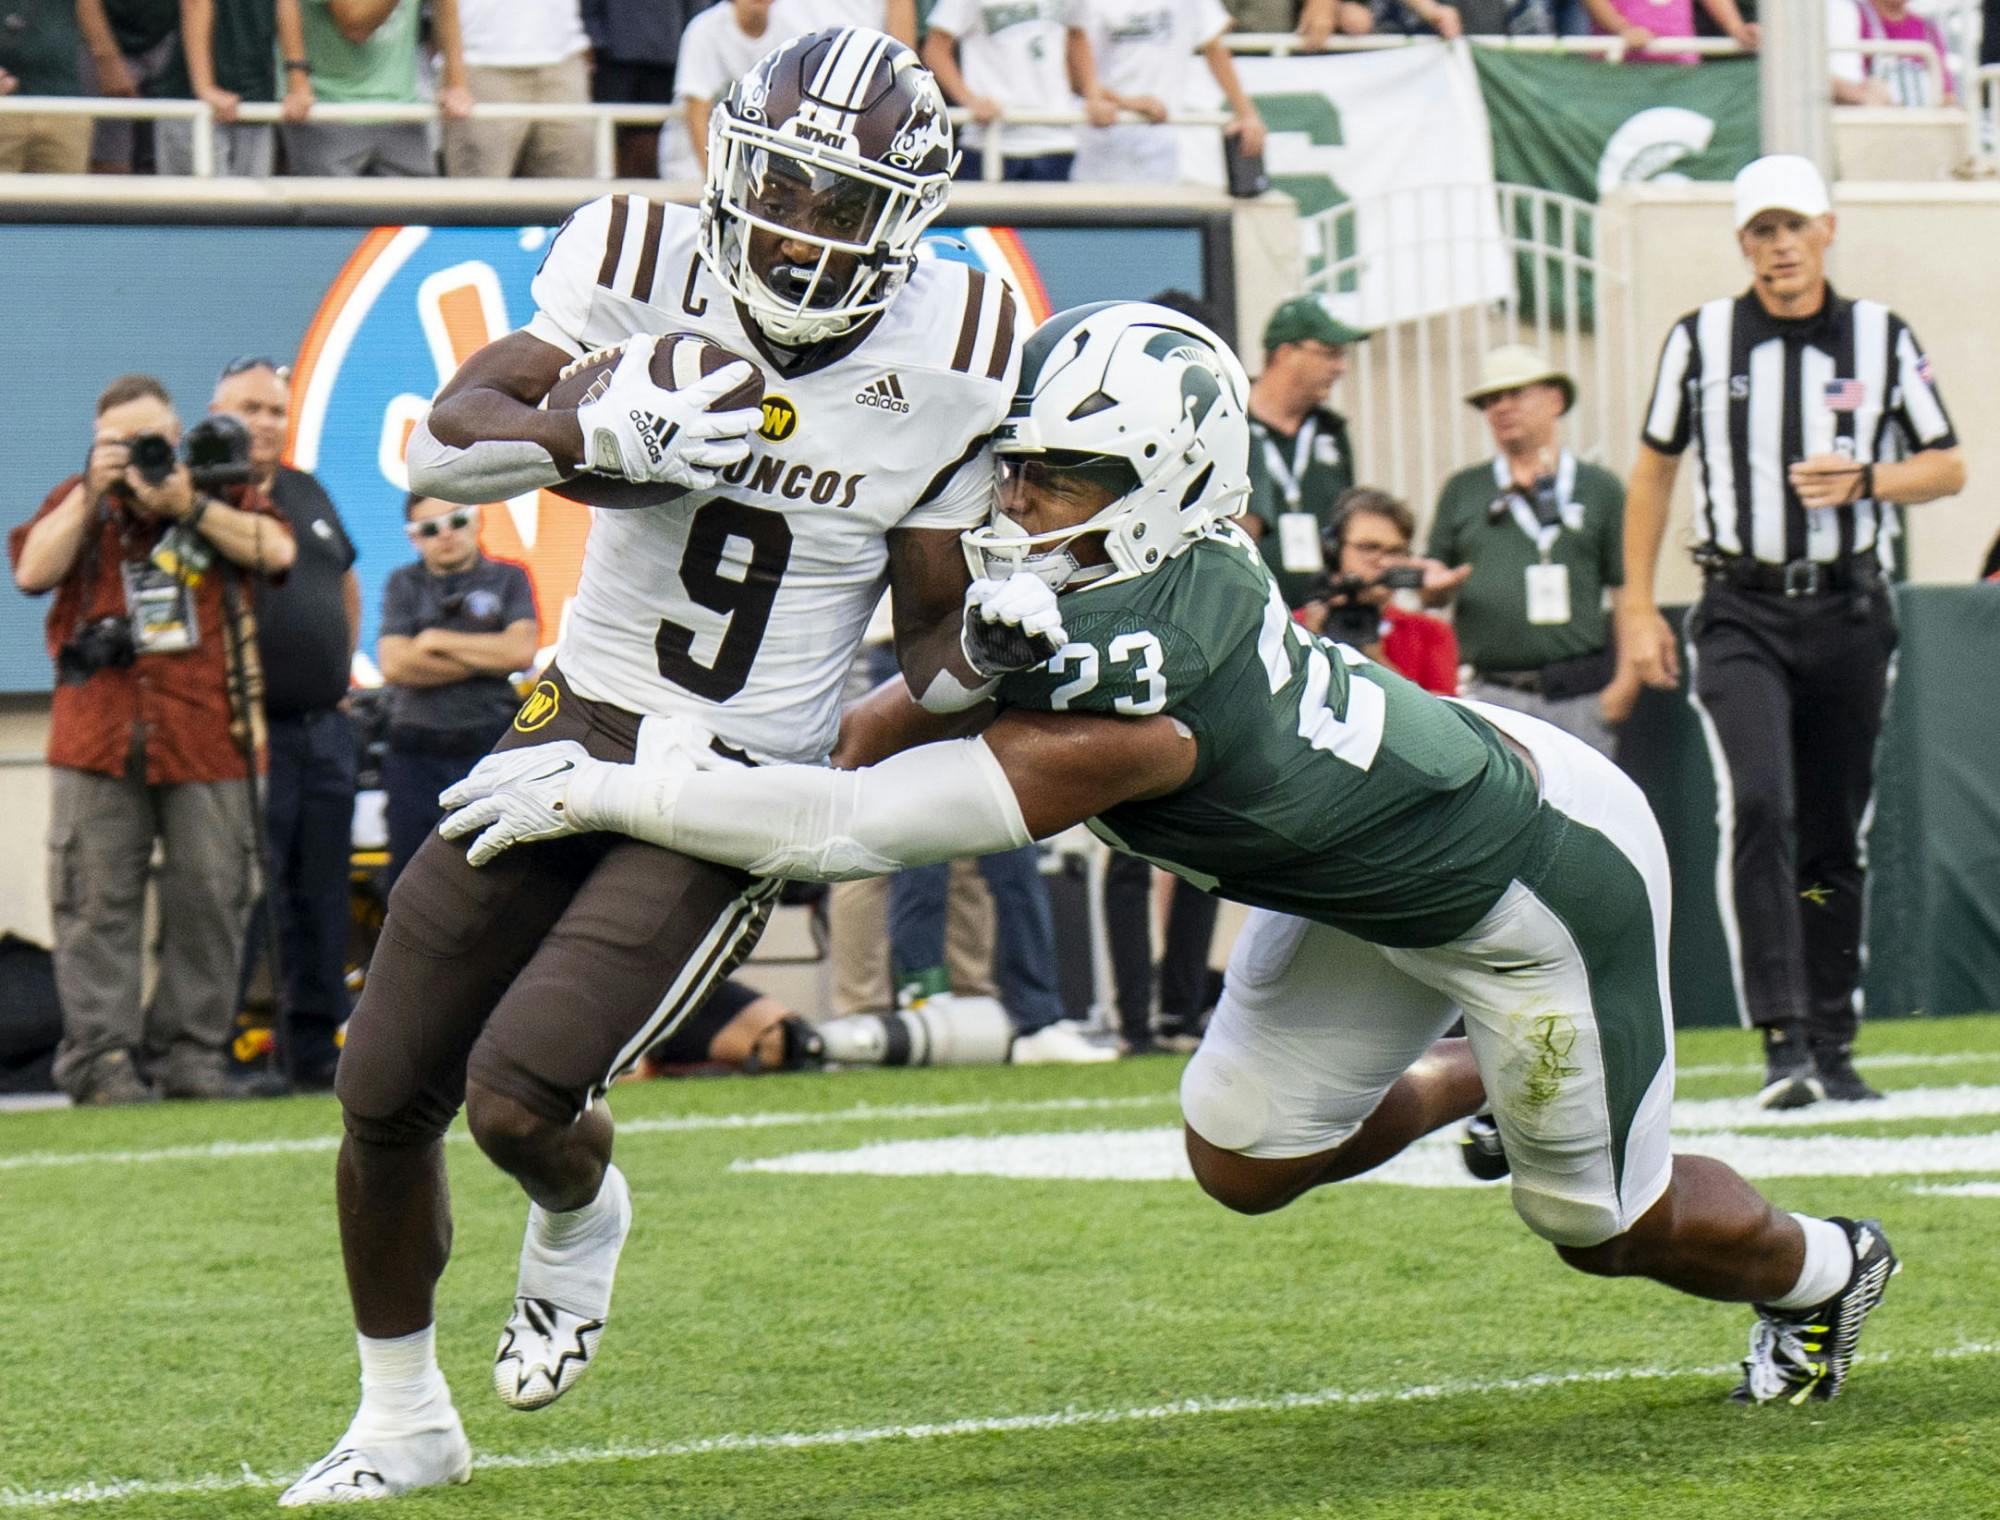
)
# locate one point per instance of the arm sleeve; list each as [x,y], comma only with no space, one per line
[1667,419]
[965,497]
[1206,21]
[1918,408]
[564,285]
[399,609]
[695,69]
[808,823]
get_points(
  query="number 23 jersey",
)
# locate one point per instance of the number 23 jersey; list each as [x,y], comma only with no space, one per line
[742,607]
[1325,786]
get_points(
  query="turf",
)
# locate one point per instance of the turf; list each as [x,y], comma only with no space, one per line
[179,1326]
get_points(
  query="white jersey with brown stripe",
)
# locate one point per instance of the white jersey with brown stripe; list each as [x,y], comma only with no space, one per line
[743,607]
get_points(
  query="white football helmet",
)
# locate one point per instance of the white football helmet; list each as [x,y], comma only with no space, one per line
[1137,397]
[837,142]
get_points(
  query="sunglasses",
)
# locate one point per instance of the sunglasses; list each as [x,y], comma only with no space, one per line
[431,527]
[248,362]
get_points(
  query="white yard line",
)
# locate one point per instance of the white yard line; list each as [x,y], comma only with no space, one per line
[859,1113]
[1958,1189]
[1867,1061]
[109,1490]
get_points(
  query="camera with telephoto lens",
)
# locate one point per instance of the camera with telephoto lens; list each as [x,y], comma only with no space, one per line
[1349,620]
[216,451]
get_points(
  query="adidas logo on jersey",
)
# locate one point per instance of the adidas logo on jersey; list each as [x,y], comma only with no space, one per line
[884,395]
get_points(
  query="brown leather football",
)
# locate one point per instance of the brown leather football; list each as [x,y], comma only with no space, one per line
[679,360]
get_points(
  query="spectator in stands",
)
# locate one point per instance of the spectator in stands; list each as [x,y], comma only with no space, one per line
[39,44]
[896,17]
[229,53]
[144,750]
[307,627]
[1463,18]
[1640,23]
[519,51]
[1371,533]
[634,46]
[1300,461]
[1882,80]
[455,626]
[366,51]
[719,46]
[129,58]
[1539,535]
[1142,48]
[1024,57]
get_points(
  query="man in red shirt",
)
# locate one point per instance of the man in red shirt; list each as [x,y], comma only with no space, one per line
[1373,531]
[141,749]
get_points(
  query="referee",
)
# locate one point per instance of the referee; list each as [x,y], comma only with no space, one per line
[1811,416]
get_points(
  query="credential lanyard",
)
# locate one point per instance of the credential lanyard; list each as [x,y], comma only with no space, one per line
[1542,535]
[1289,476]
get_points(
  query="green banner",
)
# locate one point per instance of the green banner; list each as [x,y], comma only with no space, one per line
[1580,125]
[1617,122]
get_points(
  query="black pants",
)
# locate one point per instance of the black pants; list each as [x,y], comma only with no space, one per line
[1790,692]
[309,821]
[1128,906]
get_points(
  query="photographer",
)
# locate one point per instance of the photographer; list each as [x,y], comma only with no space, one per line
[141,749]
[1540,534]
[306,632]
[455,625]
[1368,547]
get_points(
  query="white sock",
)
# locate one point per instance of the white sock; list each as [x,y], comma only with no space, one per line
[571,1257]
[1829,1264]
[402,1388]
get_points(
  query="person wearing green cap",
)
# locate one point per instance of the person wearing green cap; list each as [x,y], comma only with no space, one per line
[1539,534]
[1300,461]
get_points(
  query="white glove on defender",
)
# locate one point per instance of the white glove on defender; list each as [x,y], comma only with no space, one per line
[643,432]
[520,793]
[1010,625]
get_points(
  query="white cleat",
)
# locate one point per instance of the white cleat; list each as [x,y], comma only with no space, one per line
[364,1467]
[561,1301]
[1060,1044]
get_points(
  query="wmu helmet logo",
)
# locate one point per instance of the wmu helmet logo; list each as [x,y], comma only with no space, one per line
[885,395]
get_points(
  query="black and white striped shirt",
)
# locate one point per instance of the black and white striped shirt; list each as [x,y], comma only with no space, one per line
[1755,393]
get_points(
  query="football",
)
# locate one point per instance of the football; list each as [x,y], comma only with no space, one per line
[679,360]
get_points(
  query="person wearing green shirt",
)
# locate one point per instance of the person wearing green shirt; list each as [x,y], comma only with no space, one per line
[1541,532]
[1409,859]
[1300,461]
[366,51]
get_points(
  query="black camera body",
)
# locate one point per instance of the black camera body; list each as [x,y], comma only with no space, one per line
[105,644]
[216,451]
[1350,620]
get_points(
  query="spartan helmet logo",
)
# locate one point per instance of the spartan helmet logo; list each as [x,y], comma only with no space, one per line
[1201,385]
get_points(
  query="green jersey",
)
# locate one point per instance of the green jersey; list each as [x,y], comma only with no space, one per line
[1325,786]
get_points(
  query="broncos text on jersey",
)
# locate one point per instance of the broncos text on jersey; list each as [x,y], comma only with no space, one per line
[742,607]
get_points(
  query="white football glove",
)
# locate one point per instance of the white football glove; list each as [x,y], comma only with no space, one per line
[1010,625]
[516,795]
[643,432]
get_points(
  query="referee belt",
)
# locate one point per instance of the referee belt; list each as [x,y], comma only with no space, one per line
[1798,577]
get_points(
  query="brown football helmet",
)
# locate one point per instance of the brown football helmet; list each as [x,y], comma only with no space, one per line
[826,162]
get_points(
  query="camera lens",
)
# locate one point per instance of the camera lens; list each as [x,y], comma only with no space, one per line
[152,456]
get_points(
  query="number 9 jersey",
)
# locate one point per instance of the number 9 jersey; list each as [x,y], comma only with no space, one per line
[742,607]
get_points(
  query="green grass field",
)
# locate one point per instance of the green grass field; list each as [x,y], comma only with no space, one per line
[954,1347]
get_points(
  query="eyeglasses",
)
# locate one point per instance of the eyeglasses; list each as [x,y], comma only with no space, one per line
[247,362]
[1375,550]
[431,527]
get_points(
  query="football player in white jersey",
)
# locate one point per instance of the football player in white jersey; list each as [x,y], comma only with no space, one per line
[521,991]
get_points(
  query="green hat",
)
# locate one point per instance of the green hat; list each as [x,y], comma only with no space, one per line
[1305,318]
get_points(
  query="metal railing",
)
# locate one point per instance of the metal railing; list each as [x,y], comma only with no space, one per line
[1526,266]
[604,119]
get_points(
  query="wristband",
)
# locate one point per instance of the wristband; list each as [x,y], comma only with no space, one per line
[297,66]
[1867,483]
[197,512]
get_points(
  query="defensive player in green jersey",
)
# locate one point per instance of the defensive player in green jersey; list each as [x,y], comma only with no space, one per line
[1410,860]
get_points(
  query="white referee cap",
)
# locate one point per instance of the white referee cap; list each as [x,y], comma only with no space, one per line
[1779,182]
